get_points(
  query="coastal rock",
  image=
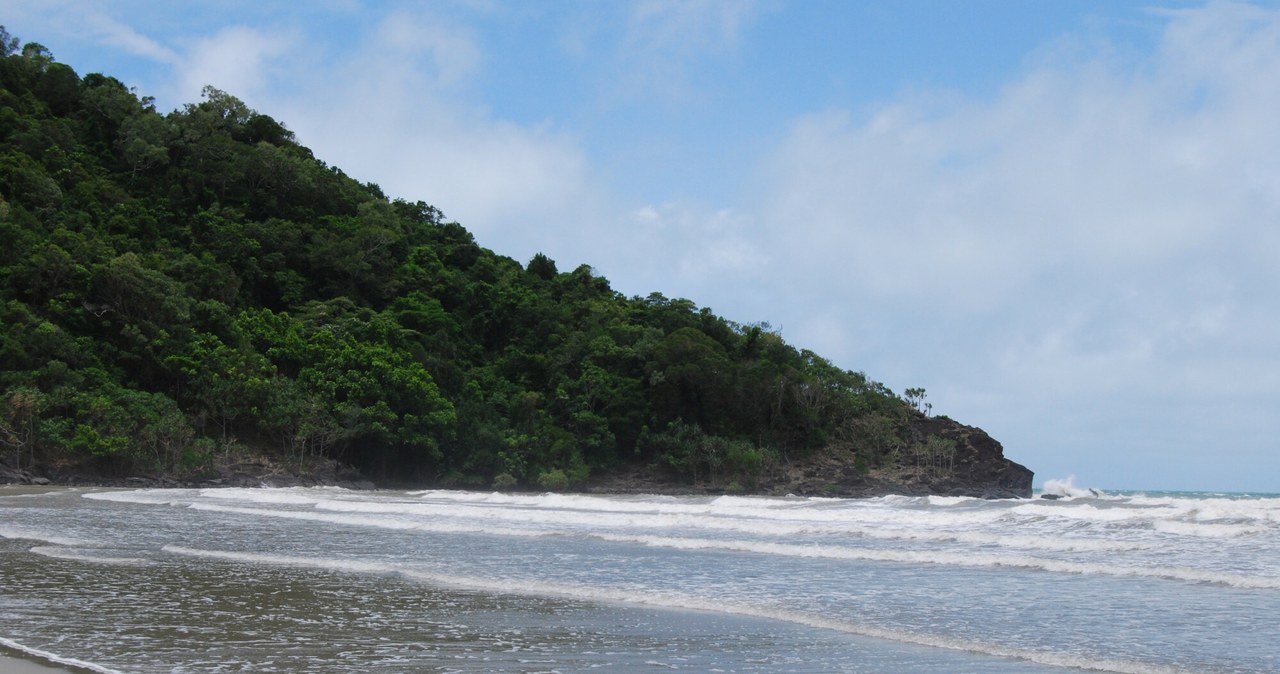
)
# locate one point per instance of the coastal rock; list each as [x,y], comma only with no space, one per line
[979,470]
[254,472]
[21,476]
[980,465]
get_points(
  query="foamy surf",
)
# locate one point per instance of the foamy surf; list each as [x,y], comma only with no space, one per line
[18,533]
[87,555]
[316,578]
[1067,489]
[961,559]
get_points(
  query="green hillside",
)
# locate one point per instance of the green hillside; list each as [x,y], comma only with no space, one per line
[183,290]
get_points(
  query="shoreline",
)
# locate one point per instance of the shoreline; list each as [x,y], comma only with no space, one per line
[592,487]
[817,476]
[980,470]
[18,659]
[14,665]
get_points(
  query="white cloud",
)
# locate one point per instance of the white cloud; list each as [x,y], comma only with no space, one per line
[450,51]
[663,39]
[88,22]
[700,246]
[688,25]
[117,34]
[238,60]
[1093,237]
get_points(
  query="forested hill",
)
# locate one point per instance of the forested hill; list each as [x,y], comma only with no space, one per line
[186,291]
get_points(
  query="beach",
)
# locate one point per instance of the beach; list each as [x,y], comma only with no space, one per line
[15,665]
[149,581]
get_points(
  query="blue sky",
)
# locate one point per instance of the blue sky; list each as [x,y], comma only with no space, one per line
[1058,217]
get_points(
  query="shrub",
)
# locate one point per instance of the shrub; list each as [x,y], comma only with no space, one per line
[553,480]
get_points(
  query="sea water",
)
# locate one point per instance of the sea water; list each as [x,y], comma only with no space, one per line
[325,579]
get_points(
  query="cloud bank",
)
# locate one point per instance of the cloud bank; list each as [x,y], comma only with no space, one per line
[1087,260]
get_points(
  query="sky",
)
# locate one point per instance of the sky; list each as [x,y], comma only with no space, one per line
[1061,218]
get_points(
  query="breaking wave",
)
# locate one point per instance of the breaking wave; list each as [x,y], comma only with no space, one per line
[82,555]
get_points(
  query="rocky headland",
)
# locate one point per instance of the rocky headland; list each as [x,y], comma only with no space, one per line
[979,469]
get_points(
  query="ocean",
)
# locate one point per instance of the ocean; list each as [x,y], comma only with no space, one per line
[331,580]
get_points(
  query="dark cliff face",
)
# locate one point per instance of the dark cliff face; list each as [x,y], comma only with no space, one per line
[980,468]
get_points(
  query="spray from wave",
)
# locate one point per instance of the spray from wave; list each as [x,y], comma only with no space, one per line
[1056,489]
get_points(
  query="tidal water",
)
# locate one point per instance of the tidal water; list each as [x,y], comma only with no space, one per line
[329,580]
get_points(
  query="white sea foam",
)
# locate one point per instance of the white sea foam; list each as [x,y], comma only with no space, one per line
[291,496]
[1254,515]
[380,523]
[1206,530]
[813,509]
[807,515]
[416,515]
[413,516]
[569,519]
[1092,513]
[1043,542]
[778,516]
[144,496]
[949,531]
[54,658]
[1067,489]
[91,555]
[1258,511]
[463,512]
[43,537]
[964,559]
[949,500]
[20,492]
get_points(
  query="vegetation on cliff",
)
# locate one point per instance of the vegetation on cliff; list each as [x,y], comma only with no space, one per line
[178,290]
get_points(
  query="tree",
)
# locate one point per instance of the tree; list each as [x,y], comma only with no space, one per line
[174,282]
[542,267]
[19,414]
[8,43]
[934,456]
[916,398]
[38,54]
[689,375]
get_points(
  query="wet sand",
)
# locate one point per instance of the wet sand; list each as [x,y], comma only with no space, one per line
[12,665]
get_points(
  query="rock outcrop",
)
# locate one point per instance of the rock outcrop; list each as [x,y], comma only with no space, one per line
[978,469]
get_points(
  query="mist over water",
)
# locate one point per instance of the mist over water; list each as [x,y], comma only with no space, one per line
[295,580]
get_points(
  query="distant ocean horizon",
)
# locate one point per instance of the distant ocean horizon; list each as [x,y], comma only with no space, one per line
[1067,487]
[325,579]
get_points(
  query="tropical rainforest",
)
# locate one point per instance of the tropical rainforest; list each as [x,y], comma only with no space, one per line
[185,289]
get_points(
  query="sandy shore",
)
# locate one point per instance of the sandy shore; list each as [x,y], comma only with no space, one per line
[12,665]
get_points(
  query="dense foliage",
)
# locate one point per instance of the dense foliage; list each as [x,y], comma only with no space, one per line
[178,288]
